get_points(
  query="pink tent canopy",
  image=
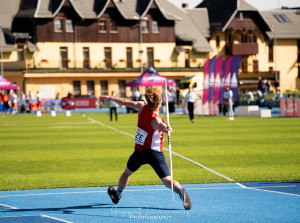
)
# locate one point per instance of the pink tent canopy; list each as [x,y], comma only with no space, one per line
[150,78]
[7,85]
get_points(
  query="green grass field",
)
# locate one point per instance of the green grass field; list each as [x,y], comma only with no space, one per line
[55,152]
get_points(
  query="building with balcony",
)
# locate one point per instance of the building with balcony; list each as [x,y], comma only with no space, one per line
[262,38]
[96,46]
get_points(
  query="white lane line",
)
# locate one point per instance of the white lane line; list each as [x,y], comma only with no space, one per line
[57,219]
[149,189]
[9,207]
[183,157]
[272,191]
[127,190]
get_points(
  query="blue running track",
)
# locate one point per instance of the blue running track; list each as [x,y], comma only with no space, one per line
[228,202]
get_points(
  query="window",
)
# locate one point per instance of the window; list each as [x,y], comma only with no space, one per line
[255,66]
[104,87]
[102,26]
[155,27]
[57,25]
[217,41]
[244,62]
[144,26]
[76,88]
[122,88]
[129,57]
[187,58]
[150,56]
[69,25]
[64,62]
[271,49]
[107,59]
[90,87]
[113,26]
[20,50]
[282,18]
[229,38]
[86,57]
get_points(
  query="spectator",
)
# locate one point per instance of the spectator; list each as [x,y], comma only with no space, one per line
[260,98]
[135,94]
[171,100]
[191,98]
[1,103]
[30,96]
[6,106]
[39,102]
[260,85]
[22,102]
[229,103]
[276,85]
[14,101]
[250,97]
[113,107]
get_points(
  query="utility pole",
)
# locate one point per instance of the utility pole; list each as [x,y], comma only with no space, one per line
[1,51]
[140,50]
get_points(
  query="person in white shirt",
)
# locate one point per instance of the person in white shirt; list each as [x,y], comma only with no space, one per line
[250,97]
[113,107]
[228,102]
[135,94]
[191,98]
[14,101]
[171,100]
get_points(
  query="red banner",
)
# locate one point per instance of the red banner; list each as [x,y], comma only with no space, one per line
[282,108]
[289,107]
[297,107]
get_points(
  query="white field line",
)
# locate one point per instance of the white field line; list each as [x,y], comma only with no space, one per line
[57,219]
[43,216]
[10,207]
[183,157]
[192,161]
[143,190]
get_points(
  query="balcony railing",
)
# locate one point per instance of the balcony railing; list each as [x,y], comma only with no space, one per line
[16,65]
[242,48]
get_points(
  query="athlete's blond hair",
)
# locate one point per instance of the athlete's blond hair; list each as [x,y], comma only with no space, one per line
[153,97]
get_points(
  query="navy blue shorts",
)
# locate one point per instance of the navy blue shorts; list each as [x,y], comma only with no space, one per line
[154,158]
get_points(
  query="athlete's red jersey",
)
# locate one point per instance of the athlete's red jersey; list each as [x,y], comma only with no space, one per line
[146,137]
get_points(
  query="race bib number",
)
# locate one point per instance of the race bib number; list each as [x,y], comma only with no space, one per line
[140,136]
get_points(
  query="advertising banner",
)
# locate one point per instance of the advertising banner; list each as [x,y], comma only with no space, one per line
[289,107]
[205,88]
[217,84]
[297,107]
[222,88]
[227,75]
[282,107]
[212,65]
[235,65]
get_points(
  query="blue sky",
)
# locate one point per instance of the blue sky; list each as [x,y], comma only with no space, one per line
[259,4]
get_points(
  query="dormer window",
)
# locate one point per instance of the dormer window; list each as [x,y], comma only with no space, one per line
[155,27]
[57,25]
[69,25]
[113,26]
[144,26]
[282,18]
[102,26]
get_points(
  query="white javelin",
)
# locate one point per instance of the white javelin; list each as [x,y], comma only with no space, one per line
[169,139]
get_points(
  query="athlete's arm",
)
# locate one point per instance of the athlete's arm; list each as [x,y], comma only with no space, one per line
[138,105]
[157,124]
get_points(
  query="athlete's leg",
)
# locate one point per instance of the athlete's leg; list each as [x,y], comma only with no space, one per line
[124,179]
[167,182]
